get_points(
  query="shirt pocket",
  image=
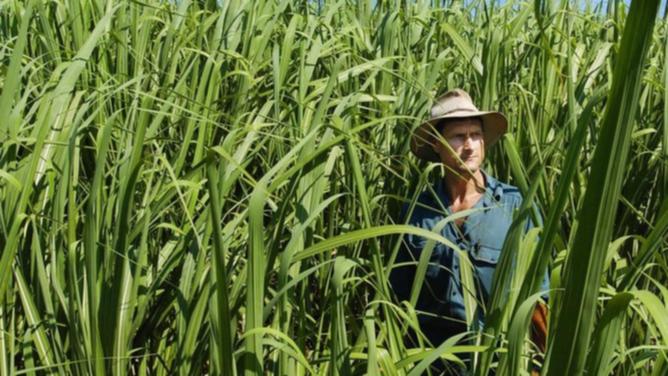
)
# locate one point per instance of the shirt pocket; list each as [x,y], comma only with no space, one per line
[484,260]
[485,255]
[435,266]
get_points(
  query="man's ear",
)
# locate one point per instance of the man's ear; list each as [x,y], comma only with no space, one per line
[436,145]
[437,140]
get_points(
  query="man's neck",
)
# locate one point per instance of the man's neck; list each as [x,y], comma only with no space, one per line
[462,187]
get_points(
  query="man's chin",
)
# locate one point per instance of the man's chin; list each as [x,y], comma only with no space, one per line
[465,170]
[472,166]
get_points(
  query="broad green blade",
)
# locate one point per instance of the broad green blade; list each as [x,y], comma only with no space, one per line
[575,317]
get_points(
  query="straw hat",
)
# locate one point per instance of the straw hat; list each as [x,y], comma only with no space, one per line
[455,104]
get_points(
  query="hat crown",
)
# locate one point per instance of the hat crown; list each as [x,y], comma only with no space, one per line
[453,101]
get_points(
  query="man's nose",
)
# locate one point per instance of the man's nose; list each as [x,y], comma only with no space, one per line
[468,141]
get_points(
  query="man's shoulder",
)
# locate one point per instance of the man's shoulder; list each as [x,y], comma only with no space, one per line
[511,198]
[503,191]
[427,205]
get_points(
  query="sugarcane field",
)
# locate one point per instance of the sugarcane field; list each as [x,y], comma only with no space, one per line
[334,187]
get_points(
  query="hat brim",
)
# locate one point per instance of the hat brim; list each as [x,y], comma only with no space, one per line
[494,125]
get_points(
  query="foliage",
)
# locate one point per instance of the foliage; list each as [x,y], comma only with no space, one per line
[195,188]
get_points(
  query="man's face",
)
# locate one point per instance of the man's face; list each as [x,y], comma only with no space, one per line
[462,148]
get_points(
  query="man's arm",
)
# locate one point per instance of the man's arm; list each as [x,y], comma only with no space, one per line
[539,316]
[539,333]
[539,326]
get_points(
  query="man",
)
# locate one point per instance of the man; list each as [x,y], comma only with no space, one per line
[457,135]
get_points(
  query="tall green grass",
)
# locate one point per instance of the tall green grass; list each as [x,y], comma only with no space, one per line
[192,188]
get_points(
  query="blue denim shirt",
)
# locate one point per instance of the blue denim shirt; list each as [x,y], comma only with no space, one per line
[482,235]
